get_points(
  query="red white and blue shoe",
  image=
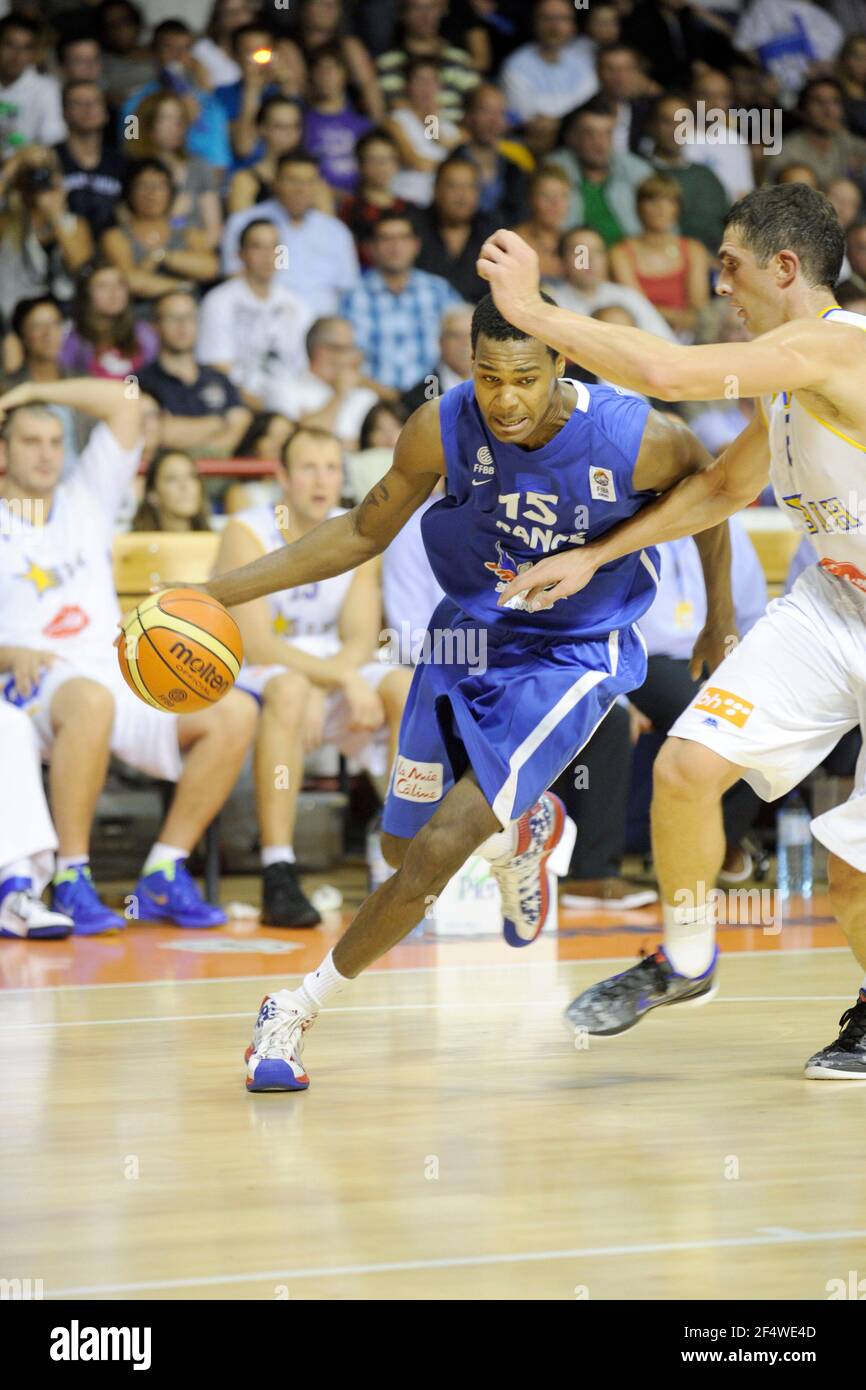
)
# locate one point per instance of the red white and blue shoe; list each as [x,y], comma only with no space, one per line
[522,875]
[171,894]
[25,916]
[273,1057]
[73,895]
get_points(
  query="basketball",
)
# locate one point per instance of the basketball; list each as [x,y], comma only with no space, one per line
[180,650]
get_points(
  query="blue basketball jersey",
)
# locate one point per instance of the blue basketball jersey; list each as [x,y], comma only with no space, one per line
[506,508]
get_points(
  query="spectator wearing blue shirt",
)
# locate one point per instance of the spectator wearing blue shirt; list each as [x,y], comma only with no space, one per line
[396,309]
[177,71]
[316,256]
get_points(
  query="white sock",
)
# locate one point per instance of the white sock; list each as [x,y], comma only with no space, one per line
[160,854]
[319,985]
[277,854]
[70,861]
[690,937]
[500,844]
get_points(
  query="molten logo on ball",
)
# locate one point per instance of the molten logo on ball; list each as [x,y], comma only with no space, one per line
[196,665]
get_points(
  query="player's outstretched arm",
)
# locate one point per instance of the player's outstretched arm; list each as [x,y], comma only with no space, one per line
[115,402]
[803,353]
[344,542]
[698,501]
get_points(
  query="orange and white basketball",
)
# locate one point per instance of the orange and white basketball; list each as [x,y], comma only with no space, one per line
[180,650]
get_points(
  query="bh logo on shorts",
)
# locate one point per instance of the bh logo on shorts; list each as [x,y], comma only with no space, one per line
[725,705]
[414,781]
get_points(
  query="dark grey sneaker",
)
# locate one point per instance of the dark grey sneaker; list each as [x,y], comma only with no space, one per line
[615,1005]
[284,902]
[846,1057]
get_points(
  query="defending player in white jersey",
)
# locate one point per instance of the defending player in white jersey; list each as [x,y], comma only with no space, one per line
[310,663]
[58,625]
[778,705]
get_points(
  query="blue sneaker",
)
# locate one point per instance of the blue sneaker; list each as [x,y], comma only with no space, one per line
[73,895]
[169,894]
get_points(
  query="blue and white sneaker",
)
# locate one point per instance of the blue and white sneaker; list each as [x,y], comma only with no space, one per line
[522,875]
[73,895]
[170,894]
[23,915]
[273,1057]
[615,1005]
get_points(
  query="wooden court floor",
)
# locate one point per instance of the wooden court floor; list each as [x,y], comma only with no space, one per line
[454,1144]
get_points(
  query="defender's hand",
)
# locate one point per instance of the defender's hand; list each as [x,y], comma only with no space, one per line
[559,576]
[513,271]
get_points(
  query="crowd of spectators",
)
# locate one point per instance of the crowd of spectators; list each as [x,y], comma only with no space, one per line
[266,219]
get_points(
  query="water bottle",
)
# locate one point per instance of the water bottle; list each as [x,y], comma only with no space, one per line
[794,849]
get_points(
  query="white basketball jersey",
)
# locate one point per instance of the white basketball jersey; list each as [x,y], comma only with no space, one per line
[310,609]
[818,474]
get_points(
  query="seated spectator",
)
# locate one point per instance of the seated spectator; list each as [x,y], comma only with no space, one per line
[38,326]
[154,255]
[420,36]
[251,327]
[176,70]
[455,359]
[823,141]
[423,135]
[201,408]
[30,102]
[846,199]
[310,664]
[546,79]
[502,164]
[27,837]
[396,309]
[58,626]
[253,52]
[671,271]
[382,425]
[214,49]
[624,86]
[453,230]
[105,339]
[586,287]
[332,126]
[378,162]
[726,151]
[79,59]
[126,62]
[43,245]
[602,25]
[677,37]
[321,22]
[703,199]
[92,169]
[265,439]
[280,125]
[174,497]
[851,76]
[549,202]
[331,393]
[604,180]
[797,173]
[320,260]
[788,36]
[163,133]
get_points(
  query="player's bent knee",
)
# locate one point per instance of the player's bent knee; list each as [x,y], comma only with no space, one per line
[85,703]
[394,849]
[435,854]
[687,771]
[846,885]
[285,696]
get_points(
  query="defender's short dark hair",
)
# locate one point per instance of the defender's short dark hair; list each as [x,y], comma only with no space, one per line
[792,217]
[488,321]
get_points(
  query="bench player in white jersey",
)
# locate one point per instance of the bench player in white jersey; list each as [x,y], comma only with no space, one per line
[785,696]
[27,837]
[58,625]
[310,663]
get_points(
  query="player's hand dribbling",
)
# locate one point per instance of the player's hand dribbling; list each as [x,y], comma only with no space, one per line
[556,577]
[512,269]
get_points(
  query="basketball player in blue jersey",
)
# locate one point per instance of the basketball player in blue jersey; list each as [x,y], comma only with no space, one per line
[782,699]
[505,698]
